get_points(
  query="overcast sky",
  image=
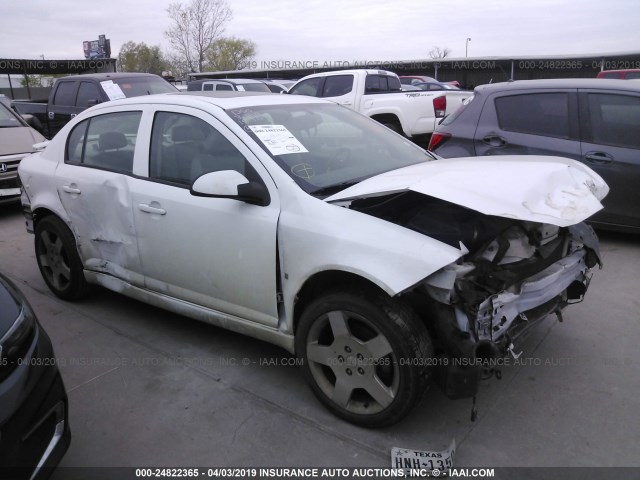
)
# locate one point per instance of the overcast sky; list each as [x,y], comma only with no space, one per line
[335,30]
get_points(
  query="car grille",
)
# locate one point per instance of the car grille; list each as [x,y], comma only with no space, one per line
[9,169]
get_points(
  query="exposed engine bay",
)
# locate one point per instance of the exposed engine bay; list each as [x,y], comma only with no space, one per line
[514,273]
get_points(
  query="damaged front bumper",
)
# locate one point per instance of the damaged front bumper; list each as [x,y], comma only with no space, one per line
[565,281]
[474,337]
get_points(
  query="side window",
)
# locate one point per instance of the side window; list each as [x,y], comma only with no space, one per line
[544,114]
[65,94]
[105,141]
[223,86]
[308,87]
[394,84]
[632,75]
[185,147]
[335,86]
[610,75]
[207,87]
[614,119]
[87,91]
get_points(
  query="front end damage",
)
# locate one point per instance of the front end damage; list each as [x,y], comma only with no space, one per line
[514,274]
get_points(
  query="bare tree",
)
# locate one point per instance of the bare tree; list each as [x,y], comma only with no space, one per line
[437,52]
[195,27]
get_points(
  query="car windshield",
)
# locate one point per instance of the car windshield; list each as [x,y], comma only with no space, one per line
[325,147]
[136,87]
[8,118]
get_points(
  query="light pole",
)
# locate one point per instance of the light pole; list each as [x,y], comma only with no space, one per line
[466,47]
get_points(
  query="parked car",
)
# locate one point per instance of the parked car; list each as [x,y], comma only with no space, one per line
[631,74]
[305,224]
[228,84]
[428,86]
[71,95]
[590,120]
[278,86]
[34,424]
[16,142]
[378,94]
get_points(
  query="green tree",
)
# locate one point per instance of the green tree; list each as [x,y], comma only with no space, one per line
[140,57]
[195,27]
[31,81]
[230,54]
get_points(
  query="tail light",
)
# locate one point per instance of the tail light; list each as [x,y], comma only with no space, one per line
[440,106]
[437,139]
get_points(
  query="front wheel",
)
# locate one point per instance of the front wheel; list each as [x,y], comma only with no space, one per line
[364,355]
[58,259]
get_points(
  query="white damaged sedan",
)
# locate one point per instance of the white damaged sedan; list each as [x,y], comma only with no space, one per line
[301,223]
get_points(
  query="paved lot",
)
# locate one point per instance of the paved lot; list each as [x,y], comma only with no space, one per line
[150,388]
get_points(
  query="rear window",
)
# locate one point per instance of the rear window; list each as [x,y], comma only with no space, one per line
[545,114]
[381,84]
[136,87]
[255,87]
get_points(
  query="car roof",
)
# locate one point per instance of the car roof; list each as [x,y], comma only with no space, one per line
[599,83]
[224,99]
[110,75]
[235,81]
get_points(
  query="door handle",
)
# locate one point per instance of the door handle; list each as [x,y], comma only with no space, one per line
[346,102]
[143,207]
[73,115]
[494,141]
[73,188]
[598,157]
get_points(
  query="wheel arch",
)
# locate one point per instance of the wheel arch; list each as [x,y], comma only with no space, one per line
[388,118]
[325,281]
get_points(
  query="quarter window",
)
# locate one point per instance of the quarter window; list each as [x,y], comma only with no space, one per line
[614,119]
[544,114]
[185,147]
[105,141]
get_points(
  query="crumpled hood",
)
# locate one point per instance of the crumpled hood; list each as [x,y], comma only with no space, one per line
[553,190]
[18,140]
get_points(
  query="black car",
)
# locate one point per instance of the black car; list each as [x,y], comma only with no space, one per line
[594,121]
[34,426]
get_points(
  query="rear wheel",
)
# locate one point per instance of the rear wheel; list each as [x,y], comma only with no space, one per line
[58,259]
[364,355]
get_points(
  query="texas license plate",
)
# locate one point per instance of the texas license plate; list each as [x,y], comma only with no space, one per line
[422,463]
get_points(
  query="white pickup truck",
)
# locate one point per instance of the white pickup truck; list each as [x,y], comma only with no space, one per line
[377,94]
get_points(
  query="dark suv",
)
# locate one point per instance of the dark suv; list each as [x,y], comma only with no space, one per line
[594,121]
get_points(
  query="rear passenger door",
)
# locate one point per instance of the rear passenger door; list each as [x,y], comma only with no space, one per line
[611,147]
[531,123]
[94,185]
[218,253]
[63,107]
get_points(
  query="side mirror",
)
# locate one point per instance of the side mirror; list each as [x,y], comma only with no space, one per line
[92,102]
[230,184]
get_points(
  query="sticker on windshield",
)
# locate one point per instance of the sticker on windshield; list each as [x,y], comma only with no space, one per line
[425,462]
[278,139]
[112,90]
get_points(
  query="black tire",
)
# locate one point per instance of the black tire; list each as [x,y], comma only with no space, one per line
[364,355]
[58,259]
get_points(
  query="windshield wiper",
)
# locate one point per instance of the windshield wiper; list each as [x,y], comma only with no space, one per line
[331,189]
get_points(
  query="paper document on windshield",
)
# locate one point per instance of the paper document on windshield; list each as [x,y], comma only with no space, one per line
[278,139]
[112,90]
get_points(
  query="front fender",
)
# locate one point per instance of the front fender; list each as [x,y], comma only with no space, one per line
[324,237]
